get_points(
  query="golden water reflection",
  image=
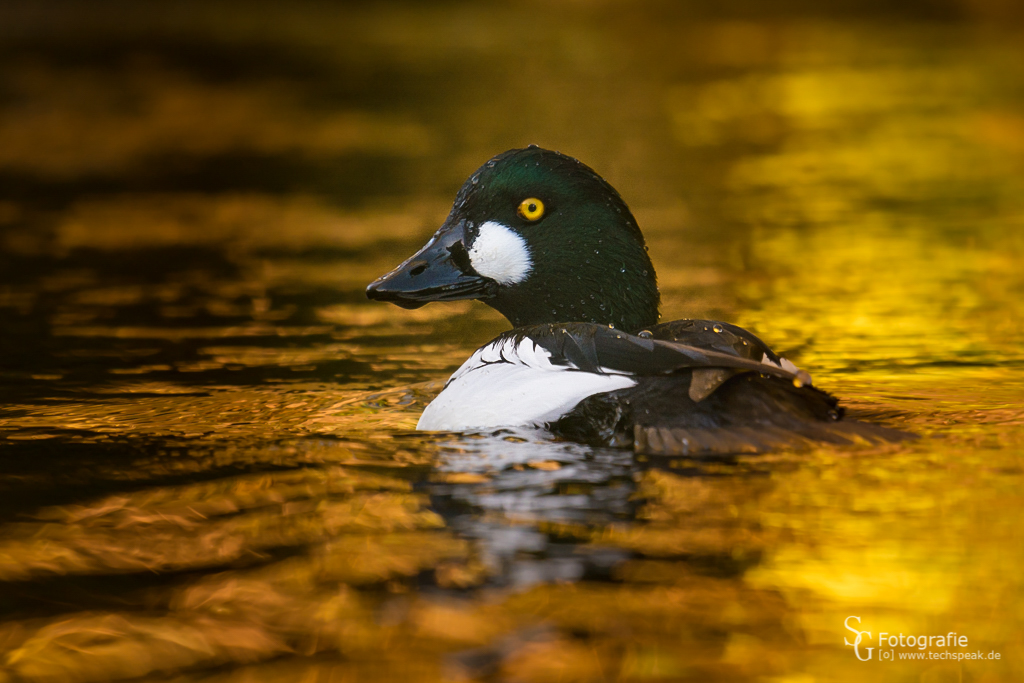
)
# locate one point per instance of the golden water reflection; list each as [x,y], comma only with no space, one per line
[209,464]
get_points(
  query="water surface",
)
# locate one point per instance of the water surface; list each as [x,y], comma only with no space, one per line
[209,464]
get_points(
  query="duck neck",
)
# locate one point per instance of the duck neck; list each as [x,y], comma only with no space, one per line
[627,305]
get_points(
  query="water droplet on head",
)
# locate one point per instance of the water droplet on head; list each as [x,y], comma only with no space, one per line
[646,334]
[611,326]
[645,271]
[623,270]
[717,328]
[596,251]
[475,180]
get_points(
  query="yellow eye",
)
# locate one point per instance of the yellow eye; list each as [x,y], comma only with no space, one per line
[531,209]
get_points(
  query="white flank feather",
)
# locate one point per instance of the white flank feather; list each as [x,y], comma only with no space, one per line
[524,389]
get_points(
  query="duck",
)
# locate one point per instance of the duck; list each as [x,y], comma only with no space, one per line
[548,243]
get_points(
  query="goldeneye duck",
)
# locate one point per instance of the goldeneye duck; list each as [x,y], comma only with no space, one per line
[548,243]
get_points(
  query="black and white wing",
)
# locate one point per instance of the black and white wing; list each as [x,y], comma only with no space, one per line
[712,351]
[700,387]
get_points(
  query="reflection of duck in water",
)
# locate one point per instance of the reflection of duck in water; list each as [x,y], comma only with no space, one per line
[548,243]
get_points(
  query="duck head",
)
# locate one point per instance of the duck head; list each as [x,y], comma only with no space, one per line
[539,237]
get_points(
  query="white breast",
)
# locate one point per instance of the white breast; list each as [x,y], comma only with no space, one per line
[509,383]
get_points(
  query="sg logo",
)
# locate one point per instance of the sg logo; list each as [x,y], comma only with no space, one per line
[856,641]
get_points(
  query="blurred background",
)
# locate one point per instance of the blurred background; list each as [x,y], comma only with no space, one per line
[208,464]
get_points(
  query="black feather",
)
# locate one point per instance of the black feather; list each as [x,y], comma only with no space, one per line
[598,348]
[750,407]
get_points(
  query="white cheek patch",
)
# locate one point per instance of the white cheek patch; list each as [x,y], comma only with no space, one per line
[500,254]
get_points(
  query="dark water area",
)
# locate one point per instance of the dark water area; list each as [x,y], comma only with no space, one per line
[209,469]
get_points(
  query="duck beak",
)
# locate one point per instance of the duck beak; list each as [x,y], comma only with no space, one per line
[440,271]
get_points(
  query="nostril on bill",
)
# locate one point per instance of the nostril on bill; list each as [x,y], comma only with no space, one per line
[418,270]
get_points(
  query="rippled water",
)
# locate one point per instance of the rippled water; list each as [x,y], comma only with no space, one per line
[208,463]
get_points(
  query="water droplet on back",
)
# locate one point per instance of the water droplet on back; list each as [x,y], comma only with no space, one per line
[717,328]
[646,334]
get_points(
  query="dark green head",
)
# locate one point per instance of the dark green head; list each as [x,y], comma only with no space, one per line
[541,238]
